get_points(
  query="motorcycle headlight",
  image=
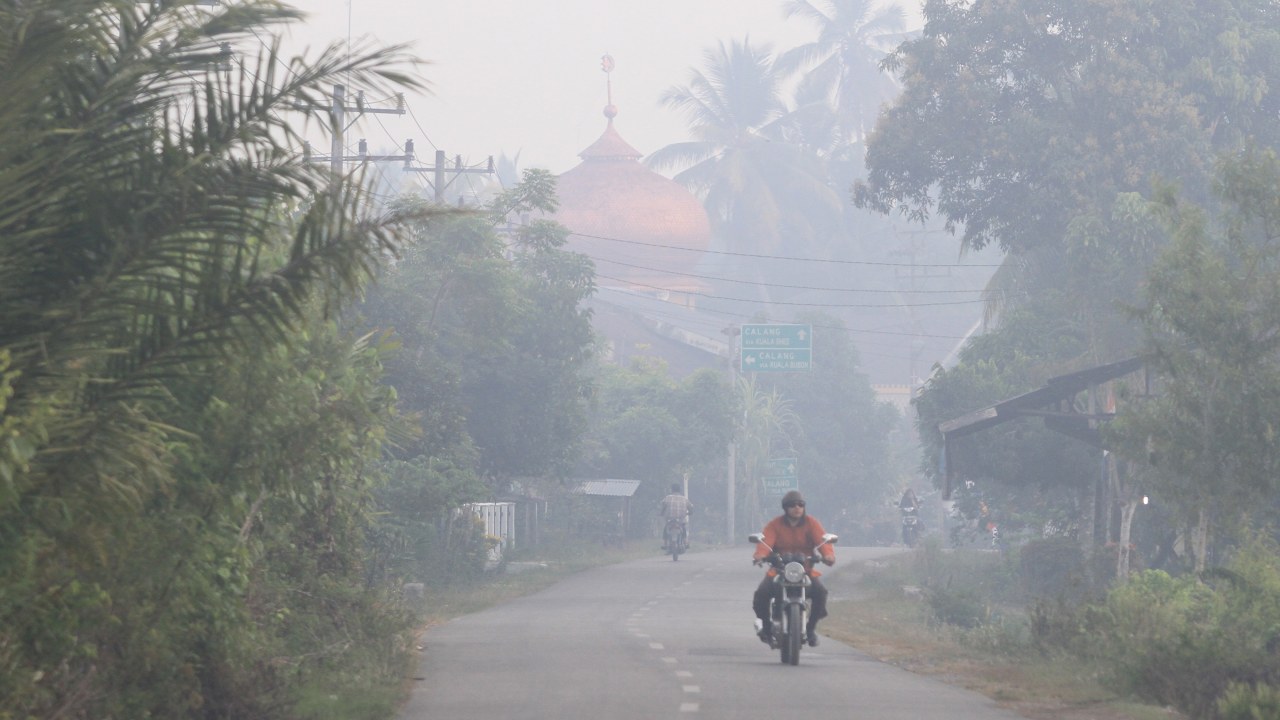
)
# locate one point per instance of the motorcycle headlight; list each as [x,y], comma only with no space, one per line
[793,572]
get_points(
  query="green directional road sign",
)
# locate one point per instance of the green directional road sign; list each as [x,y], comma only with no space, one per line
[780,475]
[777,360]
[781,467]
[777,348]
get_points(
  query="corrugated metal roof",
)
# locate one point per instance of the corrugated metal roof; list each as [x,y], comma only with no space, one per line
[609,487]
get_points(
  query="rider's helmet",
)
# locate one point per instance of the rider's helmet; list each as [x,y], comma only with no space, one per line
[793,497]
[676,488]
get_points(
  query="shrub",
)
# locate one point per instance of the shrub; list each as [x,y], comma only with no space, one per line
[1054,567]
[963,607]
[1184,642]
[1249,702]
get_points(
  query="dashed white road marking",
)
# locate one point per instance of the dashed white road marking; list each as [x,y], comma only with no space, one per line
[684,674]
[689,707]
[692,688]
[669,660]
[656,646]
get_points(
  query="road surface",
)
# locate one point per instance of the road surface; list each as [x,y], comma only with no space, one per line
[654,638]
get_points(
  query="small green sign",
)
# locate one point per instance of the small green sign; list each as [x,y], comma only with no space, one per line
[780,476]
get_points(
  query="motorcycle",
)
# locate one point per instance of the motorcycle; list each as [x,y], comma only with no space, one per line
[675,539]
[910,526]
[789,606]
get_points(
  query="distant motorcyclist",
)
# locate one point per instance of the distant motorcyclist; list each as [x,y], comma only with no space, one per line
[909,506]
[909,502]
[794,531]
[675,509]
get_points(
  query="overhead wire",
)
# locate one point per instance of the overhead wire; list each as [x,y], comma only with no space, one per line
[769,284]
[800,304]
[833,261]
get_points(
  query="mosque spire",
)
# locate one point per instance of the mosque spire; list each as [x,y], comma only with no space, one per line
[606,64]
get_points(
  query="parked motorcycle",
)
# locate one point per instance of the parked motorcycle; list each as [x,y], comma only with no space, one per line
[911,526]
[675,539]
[789,606]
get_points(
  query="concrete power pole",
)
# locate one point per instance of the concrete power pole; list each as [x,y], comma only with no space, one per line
[338,110]
[337,158]
[733,331]
[441,168]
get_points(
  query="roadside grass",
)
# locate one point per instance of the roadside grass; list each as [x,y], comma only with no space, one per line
[890,613]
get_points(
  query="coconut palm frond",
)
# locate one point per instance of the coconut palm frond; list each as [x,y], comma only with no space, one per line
[681,155]
[154,212]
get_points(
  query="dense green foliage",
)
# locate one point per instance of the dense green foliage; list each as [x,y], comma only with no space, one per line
[1048,128]
[186,467]
[843,433]
[1206,439]
[646,426]
[494,348]
[494,340]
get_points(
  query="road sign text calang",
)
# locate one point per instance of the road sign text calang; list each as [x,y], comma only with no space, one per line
[777,348]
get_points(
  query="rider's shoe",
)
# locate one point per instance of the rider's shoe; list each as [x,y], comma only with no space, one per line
[765,634]
[813,639]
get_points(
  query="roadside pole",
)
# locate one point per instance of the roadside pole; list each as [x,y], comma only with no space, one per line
[732,331]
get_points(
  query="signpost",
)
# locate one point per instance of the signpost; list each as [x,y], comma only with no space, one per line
[777,348]
[780,475]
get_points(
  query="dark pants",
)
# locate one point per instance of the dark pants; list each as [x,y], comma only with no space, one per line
[817,593]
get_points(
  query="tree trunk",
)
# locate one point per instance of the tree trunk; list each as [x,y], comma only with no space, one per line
[1126,525]
[1200,542]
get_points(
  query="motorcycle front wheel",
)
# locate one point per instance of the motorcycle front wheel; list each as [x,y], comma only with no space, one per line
[795,635]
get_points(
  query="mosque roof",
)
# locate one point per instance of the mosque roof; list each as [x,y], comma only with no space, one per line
[642,229]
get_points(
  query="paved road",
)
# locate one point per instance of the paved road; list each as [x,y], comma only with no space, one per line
[654,638]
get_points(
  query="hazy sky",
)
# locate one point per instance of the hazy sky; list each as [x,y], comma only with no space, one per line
[524,76]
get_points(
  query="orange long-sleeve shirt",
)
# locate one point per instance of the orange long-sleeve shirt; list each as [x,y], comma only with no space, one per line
[801,538]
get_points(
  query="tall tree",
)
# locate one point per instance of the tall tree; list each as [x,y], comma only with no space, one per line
[496,337]
[842,66]
[842,429]
[769,425]
[646,426]
[1024,124]
[1212,321]
[764,194]
[156,229]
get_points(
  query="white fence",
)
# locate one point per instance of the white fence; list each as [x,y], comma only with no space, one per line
[499,520]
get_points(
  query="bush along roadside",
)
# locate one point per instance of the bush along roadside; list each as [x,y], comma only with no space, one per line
[1002,623]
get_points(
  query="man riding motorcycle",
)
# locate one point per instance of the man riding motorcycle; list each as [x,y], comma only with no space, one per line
[675,509]
[794,531]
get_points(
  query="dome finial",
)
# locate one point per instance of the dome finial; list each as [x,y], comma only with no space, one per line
[606,64]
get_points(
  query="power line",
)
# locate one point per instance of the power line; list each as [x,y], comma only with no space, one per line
[742,316]
[777,285]
[798,304]
[783,257]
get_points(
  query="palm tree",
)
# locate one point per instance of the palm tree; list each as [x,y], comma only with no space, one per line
[768,421]
[155,217]
[763,193]
[153,211]
[842,67]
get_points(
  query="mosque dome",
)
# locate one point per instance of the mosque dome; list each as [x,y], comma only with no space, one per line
[644,231]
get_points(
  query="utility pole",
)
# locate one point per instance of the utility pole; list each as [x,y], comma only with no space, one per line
[733,331]
[337,158]
[338,110]
[441,168]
